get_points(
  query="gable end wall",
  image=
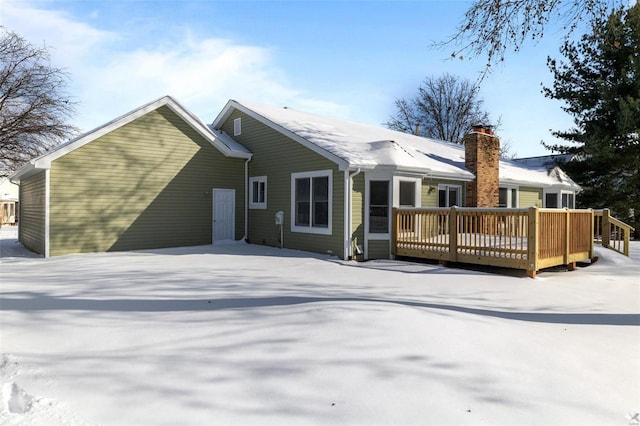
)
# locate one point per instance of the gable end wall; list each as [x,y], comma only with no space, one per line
[277,157]
[147,184]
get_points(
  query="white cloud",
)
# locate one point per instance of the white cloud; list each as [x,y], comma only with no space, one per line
[72,41]
[113,73]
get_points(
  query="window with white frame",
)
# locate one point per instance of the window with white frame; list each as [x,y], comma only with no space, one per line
[449,195]
[568,200]
[560,199]
[311,202]
[407,193]
[258,192]
[508,197]
[378,206]
[237,126]
[551,200]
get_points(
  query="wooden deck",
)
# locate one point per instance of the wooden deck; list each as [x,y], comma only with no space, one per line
[529,239]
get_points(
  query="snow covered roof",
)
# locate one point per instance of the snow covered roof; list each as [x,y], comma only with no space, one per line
[548,161]
[356,145]
[222,142]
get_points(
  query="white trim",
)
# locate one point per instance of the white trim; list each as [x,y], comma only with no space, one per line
[44,161]
[257,205]
[563,192]
[367,206]
[213,213]
[246,199]
[346,214]
[349,216]
[47,211]
[231,105]
[559,192]
[418,190]
[311,229]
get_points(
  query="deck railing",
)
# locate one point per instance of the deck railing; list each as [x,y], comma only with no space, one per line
[529,239]
[611,232]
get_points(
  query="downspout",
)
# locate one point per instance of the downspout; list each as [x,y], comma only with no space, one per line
[246,199]
[349,215]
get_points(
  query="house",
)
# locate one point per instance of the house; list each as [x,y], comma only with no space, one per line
[151,178]
[312,183]
[8,202]
[336,181]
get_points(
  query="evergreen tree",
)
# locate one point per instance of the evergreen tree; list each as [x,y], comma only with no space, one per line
[600,85]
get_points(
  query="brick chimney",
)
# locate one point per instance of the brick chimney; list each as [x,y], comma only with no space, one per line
[482,158]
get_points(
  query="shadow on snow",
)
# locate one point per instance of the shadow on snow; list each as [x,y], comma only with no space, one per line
[26,301]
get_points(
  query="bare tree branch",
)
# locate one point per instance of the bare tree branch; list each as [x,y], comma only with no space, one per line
[491,28]
[445,108]
[34,107]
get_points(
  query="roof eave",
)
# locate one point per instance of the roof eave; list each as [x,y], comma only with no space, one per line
[343,164]
[44,161]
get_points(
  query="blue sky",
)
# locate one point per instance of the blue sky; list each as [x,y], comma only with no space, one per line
[349,59]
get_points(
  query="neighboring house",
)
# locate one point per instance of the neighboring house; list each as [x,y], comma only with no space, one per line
[151,178]
[8,202]
[313,183]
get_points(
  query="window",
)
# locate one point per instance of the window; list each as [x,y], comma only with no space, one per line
[258,192]
[568,200]
[407,197]
[508,197]
[378,207]
[237,126]
[562,199]
[449,195]
[407,194]
[311,202]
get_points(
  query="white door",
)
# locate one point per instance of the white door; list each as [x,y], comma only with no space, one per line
[224,209]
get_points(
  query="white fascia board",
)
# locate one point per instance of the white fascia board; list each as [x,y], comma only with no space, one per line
[424,173]
[23,172]
[44,161]
[204,131]
[231,105]
[451,176]
[568,187]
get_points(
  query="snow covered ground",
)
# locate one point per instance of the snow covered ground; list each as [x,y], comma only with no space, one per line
[244,334]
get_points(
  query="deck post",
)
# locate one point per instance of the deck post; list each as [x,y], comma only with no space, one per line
[532,242]
[593,222]
[627,237]
[453,234]
[606,228]
[567,238]
[394,230]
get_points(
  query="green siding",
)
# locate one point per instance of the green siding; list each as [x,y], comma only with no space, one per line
[378,249]
[529,197]
[32,212]
[277,157]
[357,210]
[147,184]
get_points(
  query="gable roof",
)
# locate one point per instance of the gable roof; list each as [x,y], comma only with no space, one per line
[356,145]
[223,143]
